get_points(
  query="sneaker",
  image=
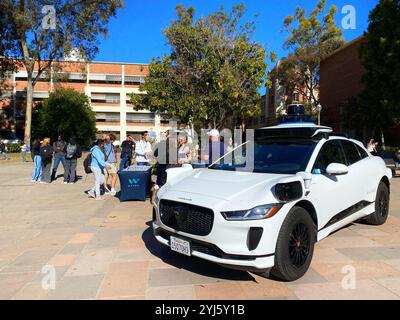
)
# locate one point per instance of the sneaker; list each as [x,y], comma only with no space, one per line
[33,180]
[65,182]
[91,193]
[71,182]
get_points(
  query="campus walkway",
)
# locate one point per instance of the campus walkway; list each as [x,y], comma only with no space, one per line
[105,250]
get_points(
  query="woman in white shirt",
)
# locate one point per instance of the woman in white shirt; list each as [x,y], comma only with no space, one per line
[184,154]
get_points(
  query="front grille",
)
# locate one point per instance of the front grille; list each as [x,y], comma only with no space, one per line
[186,217]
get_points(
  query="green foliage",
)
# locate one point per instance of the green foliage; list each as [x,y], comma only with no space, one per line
[311,39]
[381,58]
[13,147]
[212,74]
[76,30]
[66,112]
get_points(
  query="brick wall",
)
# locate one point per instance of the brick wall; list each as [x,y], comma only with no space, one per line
[340,79]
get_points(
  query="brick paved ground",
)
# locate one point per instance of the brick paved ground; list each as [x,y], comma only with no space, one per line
[105,250]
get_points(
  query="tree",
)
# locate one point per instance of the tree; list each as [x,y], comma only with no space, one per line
[66,112]
[213,72]
[380,56]
[311,39]
[40,34]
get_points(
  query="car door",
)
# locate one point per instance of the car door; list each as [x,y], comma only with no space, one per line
[358,170]
[331,195]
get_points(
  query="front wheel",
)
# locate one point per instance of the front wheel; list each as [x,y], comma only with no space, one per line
[295,245]
[381,213]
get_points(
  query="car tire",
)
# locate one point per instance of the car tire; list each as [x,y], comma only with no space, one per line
[295,245]
[381,213]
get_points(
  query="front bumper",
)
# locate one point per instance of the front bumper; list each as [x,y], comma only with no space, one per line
[211,252]
[229,242]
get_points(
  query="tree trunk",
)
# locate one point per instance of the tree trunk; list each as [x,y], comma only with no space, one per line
[28,113]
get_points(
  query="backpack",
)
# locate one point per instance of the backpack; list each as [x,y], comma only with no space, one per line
[87,162]
[71,150]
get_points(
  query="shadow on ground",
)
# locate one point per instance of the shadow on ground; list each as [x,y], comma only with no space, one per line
[192,264]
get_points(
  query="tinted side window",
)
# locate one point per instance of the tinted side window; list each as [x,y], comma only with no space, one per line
[331,152]
[362,152]
[351,152]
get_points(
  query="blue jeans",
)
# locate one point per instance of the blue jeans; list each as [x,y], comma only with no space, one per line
[124,163]
[5,155]
[57,160]
[37,173]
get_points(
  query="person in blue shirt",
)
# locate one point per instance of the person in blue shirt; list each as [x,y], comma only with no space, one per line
[111,158]
[98,165]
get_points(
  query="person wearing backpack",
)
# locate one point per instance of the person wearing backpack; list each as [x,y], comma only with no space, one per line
[46,153]
[97,166]
[73,152]
[59,155]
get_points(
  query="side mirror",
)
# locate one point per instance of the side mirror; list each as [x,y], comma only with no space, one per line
[337,169]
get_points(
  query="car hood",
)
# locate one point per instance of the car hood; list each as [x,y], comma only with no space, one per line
[226,185]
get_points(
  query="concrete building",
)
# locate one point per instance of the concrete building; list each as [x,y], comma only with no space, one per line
[107,84]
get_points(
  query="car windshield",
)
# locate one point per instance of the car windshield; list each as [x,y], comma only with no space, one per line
[271,156]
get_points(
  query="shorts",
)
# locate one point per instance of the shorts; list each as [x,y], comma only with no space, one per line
[111,168]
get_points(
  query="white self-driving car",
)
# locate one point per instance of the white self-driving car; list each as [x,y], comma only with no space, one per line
[263,206]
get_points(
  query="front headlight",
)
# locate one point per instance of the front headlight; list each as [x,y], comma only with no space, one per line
[257,213]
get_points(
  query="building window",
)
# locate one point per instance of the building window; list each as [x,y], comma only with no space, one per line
[135,80]
[105,78]
[139,117]
[108,117]
[105,97]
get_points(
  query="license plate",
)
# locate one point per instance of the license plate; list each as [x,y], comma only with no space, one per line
[180,246]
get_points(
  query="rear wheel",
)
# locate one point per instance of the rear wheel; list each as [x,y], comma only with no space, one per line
[295,245]
[381,213]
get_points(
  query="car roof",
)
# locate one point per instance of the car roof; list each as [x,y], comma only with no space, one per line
[301,130]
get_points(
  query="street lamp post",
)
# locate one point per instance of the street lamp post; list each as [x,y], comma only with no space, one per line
[319,109]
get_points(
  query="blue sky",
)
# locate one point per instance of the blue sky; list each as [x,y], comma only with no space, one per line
[135,35]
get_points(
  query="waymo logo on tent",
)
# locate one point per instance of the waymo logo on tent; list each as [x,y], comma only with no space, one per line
[134,181]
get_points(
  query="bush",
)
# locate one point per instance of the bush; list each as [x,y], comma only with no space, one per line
[13,147]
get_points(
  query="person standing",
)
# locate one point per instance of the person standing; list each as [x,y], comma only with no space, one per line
[46,153]
[3,150]
[371,146]
[162,153]
[37,159]
[184,154]
[72,152]
[111,169]
[59,155]
[143,150]
[126,153]
[24,150]
[216,148]
[98,165]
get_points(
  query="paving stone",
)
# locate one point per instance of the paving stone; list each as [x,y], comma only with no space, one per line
[81,238]
[125,279]
[76,288]
[171,293]
[11,283]
[364,290]
[220,291]
[366,253]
